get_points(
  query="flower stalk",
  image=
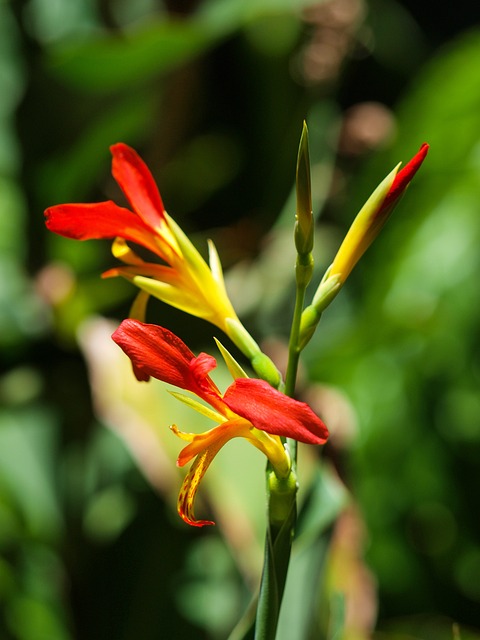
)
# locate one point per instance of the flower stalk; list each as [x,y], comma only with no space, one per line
[261,410]
[249,408]
[282,492]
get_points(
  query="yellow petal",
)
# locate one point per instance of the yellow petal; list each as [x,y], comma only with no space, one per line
[138,310]
[273,447]
[180,297]
[123,252]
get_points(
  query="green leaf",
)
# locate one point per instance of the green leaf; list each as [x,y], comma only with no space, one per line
[27,444]
[123,61]
[116,61]
[326,498]
[305,610]
[337,618]
[277,557]
[282,516]
[73,173]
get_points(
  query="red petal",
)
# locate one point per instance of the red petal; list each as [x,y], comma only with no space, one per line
[157,352]
[100,220]
[274,412]
[404,176]
[137,183]
[202,365]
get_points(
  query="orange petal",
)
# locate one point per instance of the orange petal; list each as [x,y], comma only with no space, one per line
[219,435]
[186,497]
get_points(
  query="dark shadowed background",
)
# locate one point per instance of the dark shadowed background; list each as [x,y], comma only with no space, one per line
[213,94]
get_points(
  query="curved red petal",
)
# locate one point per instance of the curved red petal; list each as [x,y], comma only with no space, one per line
[274,412]
[137,183]
[202,365]
[159,353]
[155,351]
[405,175]
[101,220]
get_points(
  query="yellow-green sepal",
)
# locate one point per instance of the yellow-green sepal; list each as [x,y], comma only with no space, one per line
[233,366]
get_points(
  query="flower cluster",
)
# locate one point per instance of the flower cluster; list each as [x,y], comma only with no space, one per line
[249,408]
[182,278]
[253,409]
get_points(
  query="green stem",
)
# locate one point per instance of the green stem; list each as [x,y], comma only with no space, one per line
[282,508]
[303,269]
[282,512]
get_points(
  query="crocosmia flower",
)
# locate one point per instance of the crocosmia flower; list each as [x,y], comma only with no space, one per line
[182,278]
[249,408]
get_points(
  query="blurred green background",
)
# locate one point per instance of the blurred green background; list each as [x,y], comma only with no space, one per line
[212,93]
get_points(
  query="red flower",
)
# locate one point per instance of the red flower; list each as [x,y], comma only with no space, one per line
[184,280]
[249,408]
